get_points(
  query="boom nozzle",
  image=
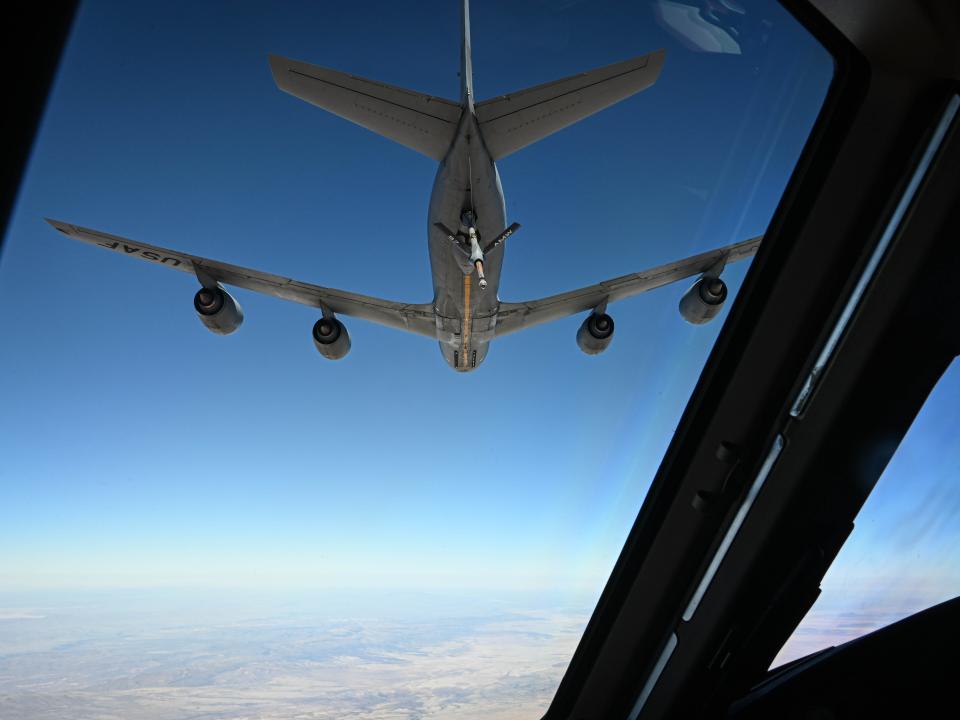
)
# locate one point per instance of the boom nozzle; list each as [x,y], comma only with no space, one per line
[483,281]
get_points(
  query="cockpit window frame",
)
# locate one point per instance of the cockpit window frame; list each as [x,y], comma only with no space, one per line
[852,172]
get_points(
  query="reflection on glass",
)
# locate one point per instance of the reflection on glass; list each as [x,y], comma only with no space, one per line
[709,25]
[192,524]
[903,555]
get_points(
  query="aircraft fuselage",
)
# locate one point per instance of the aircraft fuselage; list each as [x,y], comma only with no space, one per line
[467,180]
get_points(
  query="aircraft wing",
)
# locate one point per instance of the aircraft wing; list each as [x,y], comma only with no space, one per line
[518,316]
[415,318]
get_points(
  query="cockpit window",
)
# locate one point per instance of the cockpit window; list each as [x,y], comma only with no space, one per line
[202,525]
[903,555]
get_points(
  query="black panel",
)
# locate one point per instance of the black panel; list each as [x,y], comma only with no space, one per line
[33,39]
[908,669]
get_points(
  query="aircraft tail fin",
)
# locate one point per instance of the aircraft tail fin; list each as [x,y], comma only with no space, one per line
[423,123]
[511,122]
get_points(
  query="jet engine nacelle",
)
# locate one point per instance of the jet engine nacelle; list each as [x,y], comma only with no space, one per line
[217,310]
[331,338]
[703,301]
[595,333]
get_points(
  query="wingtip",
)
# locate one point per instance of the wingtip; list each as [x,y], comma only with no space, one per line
[278,68]
[278,63]
[658,56]
[57,225]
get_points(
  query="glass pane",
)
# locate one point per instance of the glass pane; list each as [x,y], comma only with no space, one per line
[903,555]
[195,524]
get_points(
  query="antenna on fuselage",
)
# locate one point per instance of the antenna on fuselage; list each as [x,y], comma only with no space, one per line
[466,86]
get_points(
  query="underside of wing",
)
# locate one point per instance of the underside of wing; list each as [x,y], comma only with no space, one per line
[415,318]
[423,123]
[518,316]
[511,122]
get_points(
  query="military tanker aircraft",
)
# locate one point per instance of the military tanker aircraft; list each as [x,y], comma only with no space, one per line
[466,227]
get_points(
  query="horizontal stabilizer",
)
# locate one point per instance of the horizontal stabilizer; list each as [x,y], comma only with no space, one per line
[513,121]
[423,123]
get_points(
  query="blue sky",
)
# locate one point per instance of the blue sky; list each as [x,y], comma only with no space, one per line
[143,451]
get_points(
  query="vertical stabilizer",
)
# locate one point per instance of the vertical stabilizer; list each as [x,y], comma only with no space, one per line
[466,64]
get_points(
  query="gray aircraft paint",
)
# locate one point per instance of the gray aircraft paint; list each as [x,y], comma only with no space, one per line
[467,138]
